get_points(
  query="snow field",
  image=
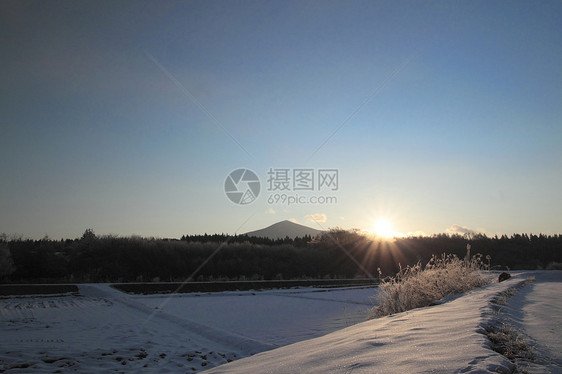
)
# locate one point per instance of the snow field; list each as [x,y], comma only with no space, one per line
[106,330]
[316,330]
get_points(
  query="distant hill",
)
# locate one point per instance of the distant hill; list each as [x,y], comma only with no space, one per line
[282,229]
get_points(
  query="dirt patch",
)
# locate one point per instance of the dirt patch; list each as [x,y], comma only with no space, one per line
[37,289]
[192,287]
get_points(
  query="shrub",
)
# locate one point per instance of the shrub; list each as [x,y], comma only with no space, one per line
[417,286]
[554,266]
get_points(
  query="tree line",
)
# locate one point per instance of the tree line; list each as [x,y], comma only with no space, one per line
[335,254]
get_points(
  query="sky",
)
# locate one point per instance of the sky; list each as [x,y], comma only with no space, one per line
[127,117]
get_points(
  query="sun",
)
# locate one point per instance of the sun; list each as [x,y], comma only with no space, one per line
[383,229]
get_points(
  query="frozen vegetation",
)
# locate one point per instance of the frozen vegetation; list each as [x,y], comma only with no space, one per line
[417,286]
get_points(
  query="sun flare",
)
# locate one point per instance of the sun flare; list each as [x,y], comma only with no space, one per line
[383,229]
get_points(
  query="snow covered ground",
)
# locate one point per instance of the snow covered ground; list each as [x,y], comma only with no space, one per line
[536,310]
[318,330]
[447,338]
[106,330]
[274,318]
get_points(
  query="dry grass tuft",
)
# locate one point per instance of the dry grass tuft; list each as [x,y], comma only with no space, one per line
[509,341]
[417,286]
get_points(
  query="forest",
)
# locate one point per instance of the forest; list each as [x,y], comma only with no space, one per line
[335,254]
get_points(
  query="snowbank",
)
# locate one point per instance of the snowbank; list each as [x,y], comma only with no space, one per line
[447,338]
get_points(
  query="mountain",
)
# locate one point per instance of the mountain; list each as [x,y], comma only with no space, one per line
[282,229]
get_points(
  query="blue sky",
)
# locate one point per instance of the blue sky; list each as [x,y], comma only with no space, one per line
[127,116]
